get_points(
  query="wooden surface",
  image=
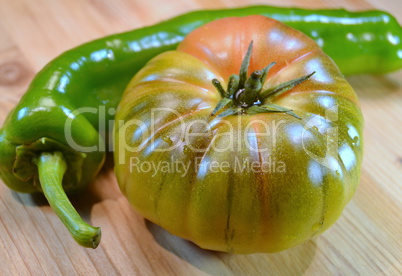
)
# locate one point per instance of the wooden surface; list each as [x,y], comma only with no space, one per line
[365,241]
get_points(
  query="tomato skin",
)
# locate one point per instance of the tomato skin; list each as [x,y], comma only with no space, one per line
[317,158]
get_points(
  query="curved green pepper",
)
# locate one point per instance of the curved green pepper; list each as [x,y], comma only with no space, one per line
[52,141]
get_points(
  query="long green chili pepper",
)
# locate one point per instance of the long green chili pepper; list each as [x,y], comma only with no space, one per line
[68,106]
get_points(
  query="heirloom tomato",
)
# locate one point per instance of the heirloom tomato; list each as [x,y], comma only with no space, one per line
[255,162]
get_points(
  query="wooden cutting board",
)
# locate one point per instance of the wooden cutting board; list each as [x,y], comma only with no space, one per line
[365,241]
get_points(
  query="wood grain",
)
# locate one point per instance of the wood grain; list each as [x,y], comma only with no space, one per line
[365,241]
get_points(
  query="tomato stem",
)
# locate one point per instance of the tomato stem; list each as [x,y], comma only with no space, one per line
[283,87]
[252,87]
[233,85]
[219,87]
[244,94]
[265,71]
[245,65]
[221,104]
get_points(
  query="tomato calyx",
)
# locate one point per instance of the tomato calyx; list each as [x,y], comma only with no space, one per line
[244,95]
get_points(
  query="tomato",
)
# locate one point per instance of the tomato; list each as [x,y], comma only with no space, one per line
[272,167]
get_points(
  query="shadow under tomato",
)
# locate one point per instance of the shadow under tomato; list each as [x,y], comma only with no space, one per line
[374,86]
[294,261]
[109,163]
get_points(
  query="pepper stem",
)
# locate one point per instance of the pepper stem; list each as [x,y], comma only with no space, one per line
[51,167]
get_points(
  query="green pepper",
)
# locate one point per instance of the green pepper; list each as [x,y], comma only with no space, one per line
[54,139]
